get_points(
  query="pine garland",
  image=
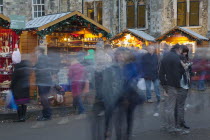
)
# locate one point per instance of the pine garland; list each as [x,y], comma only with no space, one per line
[173,32]
[4,23]
[74,21]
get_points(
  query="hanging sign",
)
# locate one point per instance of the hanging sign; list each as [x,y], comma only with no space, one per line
[17,22]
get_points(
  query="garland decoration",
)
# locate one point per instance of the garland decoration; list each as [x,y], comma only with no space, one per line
[18,31]
[75,22]
[4,23]
[173,32]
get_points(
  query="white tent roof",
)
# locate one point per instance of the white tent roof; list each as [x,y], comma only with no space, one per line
[142,35]
[40,21]
[194,33]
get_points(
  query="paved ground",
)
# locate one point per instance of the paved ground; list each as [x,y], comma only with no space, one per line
[146,126]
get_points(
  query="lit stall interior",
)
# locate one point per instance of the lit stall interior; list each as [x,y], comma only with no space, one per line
[182,36]
[132,38]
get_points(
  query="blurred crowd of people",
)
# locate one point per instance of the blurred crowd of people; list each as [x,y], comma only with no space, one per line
[122,78]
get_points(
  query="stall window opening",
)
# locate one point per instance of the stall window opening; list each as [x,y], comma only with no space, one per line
[38,8]
[1,6]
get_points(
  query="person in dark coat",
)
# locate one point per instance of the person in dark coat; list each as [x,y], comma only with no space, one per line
[170,74]
[185,86]
[44,82]
[150,71]
[20,87]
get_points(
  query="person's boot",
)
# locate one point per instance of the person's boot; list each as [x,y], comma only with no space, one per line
[20,114]
[24,107]
[183,125]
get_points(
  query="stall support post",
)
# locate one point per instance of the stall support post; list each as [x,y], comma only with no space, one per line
[43,43]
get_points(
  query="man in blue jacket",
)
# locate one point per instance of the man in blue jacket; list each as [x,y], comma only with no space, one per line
[44,82]
[150,69]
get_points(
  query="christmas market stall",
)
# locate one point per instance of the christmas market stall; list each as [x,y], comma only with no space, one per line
[62,34]
[184,36]
[132,38]
[8,40]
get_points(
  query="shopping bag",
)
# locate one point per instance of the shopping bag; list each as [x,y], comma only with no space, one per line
[141,84]
[59,98]
[10,101]
[152,86]
[16,56]
[86,87]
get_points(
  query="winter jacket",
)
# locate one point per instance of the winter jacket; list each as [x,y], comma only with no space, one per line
[78,77]
[112,87]
[43,71]
[20,80]
[171,70]
[150,66]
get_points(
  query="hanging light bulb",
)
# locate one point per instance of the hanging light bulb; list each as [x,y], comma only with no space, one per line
[65,39]
[128,36]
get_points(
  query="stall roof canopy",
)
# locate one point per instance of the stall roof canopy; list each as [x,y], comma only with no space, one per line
[139,34]
[43,22]
[4,17]
[184,31]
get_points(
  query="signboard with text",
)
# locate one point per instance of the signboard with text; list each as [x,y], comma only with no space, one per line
[17,22]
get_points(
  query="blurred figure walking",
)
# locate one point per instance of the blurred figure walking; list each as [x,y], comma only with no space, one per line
[20,87]
[44,82]
[78,77]
[150,71]
[120,93]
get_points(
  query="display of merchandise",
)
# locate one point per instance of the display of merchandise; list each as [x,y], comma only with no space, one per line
[8,39]
[71,42]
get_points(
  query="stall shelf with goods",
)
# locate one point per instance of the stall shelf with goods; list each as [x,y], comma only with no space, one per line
[8,41]
[182,36]
[132,38]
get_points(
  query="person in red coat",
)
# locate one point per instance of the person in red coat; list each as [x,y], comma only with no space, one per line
[78,78]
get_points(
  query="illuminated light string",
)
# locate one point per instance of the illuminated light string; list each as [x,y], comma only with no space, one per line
[127,35]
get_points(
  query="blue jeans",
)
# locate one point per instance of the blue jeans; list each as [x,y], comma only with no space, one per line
[156,88]
[201,85]
[44,92]
[77,102]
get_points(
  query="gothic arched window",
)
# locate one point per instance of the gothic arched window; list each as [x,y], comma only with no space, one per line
[100,12]
[141,14]
[181,12]
[194,13]
[130,14]
[90,10]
